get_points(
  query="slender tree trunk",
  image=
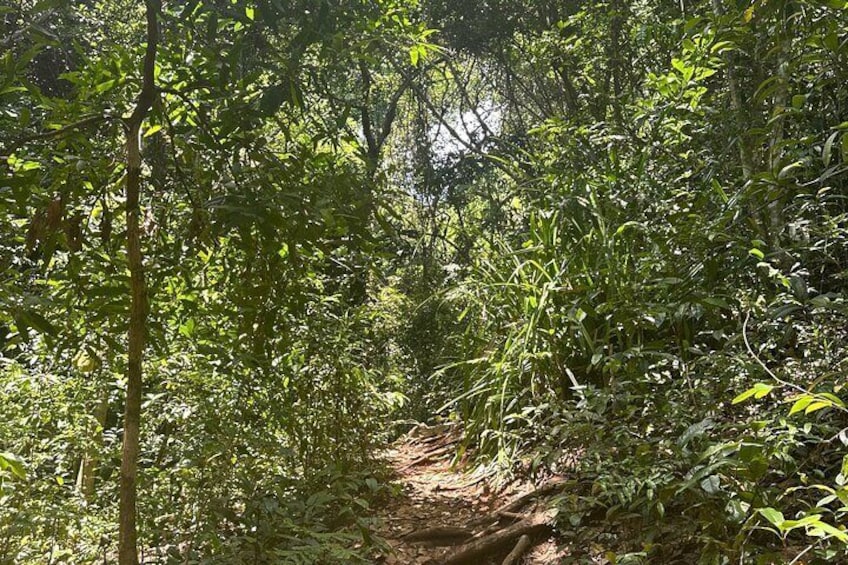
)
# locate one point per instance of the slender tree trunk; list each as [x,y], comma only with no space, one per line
[88,465]
[746,153]
[748,156]
[127,546]
[615,57]
[778,121]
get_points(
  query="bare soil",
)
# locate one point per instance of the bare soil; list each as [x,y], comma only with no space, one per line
[444,506]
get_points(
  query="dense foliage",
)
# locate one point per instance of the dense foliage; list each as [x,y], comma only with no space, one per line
[609,238]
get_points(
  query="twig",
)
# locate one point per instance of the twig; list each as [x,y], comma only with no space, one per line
[50,134]
[760,362]
[800,555]
[770,373]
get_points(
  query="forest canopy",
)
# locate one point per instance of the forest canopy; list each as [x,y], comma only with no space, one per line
[247,247]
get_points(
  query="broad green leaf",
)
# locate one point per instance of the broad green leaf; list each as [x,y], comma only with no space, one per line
[152,130]
[789,169]
[774,516]
[13,463]
[823,529]
[758,391]
[801,403]
[818,405]
[789,525]
[711,484]
[833,398]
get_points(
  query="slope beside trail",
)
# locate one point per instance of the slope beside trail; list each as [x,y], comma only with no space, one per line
[443,510]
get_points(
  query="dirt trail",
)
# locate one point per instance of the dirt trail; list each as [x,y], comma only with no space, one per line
[438,495]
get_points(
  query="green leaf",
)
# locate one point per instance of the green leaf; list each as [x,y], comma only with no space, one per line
[827,152]
[758,391]
[826,528]
[756,253]
[187,329]
[789,169]
[250,12]
[774,516]
[84,362]
[13,463]
[35,320]
[805,521]
[626,225]
[273,98]
[711,484]
[800,404]
[833,398]
[764,389]
[845,148]
[818,405]
[152,130]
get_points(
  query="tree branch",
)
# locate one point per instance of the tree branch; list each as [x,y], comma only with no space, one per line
[51,134]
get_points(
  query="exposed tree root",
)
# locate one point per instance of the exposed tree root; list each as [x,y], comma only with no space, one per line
[496,525]
[509,510]
[473,551]
[455,522]
[427,457]
[524,543]
[450,534]
[471,483]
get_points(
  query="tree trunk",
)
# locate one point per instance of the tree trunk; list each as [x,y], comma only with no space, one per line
[778,120]
[746,152]
[127,546]
[88,465]
[748,156]
[615,59]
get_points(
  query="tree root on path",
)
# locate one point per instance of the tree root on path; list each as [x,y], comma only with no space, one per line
[426,457]
[474,550]
[507,532]
[520,549]
[469,484]
[510,509]
[437,535]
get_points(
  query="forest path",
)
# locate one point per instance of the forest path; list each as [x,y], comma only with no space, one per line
[437,494]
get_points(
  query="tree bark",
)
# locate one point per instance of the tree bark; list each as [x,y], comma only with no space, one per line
[614,57]
[520,549]
[88,464]
[778,121]
[474,551]
[748,156]
[127,536]
[746,153]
